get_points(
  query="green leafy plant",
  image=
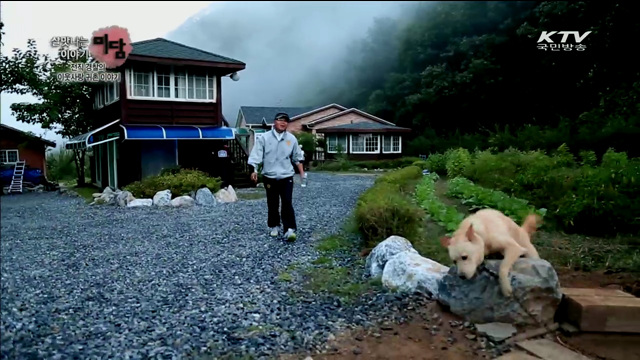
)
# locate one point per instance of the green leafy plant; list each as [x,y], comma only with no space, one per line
[457,162]
[478,197]
[445,215]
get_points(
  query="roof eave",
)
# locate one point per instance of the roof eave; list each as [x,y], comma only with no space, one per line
[231,67]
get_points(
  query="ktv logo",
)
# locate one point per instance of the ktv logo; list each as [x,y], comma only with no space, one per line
[546,36]
[549,44]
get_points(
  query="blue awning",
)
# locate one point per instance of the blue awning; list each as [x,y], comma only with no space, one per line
[177,132]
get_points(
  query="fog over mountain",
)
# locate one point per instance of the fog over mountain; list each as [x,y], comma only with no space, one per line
[284,44]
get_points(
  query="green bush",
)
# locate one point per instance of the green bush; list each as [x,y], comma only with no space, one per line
[588,158]
[183,182]
[457,162]
[404,179]
[587,199]
[612,159]
[437,163]
[421,164]
[383,211]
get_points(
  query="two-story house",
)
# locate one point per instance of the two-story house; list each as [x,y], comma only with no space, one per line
[165,112]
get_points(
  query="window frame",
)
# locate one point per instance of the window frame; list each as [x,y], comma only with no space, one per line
[364,144]
[192,86]
[393,139]
[6,154]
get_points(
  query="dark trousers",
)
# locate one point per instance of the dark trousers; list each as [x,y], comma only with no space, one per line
[280,190]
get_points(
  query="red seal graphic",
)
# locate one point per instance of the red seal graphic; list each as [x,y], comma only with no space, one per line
[111,46]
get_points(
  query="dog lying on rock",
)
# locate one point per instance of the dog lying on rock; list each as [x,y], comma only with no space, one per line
[486,232]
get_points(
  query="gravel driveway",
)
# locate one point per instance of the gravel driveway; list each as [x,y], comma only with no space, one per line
[89,282]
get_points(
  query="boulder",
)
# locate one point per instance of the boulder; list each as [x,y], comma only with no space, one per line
[480,300]
[224,195]
[383,252]
[408,272]
[205,197]
[162,198]
[183,201]
[140,202]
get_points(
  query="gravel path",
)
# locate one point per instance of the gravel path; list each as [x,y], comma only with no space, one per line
[89,282]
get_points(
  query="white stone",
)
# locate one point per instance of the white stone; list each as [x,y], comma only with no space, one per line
[383,252]
[409,272]
[140,202]
[162,198]
[232,192]
[183,201]
[225,196]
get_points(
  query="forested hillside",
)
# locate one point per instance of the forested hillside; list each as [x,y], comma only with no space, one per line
[470,74]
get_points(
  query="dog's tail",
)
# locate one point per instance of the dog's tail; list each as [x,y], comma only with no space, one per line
[531,223]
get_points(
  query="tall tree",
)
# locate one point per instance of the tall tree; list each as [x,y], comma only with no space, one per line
[63,107]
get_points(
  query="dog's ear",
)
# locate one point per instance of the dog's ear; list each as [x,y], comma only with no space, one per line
[445,241]
[471,235]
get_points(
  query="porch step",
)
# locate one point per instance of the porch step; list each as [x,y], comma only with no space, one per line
[601,310]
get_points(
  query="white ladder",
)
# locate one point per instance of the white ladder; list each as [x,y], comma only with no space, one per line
[18,173]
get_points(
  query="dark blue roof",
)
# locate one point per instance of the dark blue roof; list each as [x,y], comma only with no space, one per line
[364,126]
[164,48]
[253,115]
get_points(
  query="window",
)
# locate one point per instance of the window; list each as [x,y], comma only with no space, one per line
[333,141]
[142,84]
[365,144]
[172,83]
[107,94]
[163,75]
[391,144]
[9,156]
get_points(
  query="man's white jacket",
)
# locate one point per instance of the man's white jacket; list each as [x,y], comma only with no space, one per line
[277,154]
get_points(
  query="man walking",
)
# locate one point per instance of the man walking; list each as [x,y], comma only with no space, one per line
[277,150]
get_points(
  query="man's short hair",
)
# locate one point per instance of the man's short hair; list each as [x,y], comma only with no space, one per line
[284,116]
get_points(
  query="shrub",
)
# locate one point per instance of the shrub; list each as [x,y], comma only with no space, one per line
[563,157]
[383,211]
[183,182]
[612,159]
[421,164]
[404,178]
[457,162]
[588,158]
[437,163]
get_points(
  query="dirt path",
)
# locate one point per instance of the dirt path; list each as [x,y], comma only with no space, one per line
[430,334]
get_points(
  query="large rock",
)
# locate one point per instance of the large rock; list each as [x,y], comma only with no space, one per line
[383,252]
[183,201]
[408,272]
[162,198]
[140,202]
[204,197]
[226,195]
[480,300]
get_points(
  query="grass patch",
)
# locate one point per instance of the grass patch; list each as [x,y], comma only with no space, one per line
[326,276]
[86,192]
[333,243]
[581,253]
[285,276]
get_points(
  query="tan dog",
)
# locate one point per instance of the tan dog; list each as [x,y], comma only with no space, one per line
[486,232]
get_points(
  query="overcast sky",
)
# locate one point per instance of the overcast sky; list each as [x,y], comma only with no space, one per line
[41,21]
